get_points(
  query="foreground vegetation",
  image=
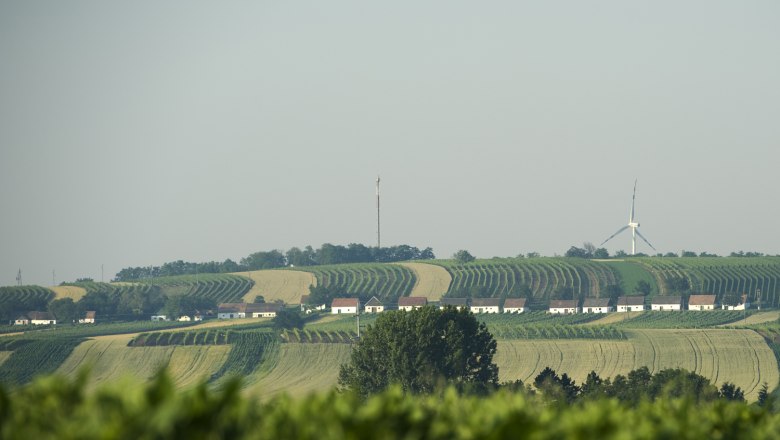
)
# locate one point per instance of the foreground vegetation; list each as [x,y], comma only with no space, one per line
[63,409]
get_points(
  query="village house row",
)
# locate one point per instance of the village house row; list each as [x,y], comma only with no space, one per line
[488,305]
[476,305]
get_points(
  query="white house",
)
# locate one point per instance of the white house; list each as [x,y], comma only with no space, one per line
[596,305]
[344,305]
[159,317]
[263,310]
[409,303]
[666,302]
[631,303]
[514,305]
[743,304]
[22,320]
[458,303]
[308,308]
[374,306]
[485,305]
[701,302]
[231,311]
[89,318]
[564,306]
[184,318]
[41,318]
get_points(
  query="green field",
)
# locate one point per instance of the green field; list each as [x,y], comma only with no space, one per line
[385,281]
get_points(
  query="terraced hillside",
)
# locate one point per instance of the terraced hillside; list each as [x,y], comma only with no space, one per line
[543,276]
[721,275]
[284,285]
[385,281]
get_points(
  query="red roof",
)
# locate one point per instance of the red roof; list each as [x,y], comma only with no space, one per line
[563,304]
[514,303]
[412,301]
[485,302]
[631,301]
[345,302]
[701,300]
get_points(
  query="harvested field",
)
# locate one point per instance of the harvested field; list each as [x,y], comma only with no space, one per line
[432,280]
[110,360]
[614,318]
[757,318]
[73,292]
[285,285]
[300,369]
[738,356]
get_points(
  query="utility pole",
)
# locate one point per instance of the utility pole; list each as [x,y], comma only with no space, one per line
[378,242]
[358,319]
[19,277]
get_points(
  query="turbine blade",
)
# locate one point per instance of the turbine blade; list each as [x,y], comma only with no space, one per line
[643,238]
[616,233]
[633,201]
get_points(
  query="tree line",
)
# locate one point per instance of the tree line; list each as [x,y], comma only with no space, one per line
[308,256]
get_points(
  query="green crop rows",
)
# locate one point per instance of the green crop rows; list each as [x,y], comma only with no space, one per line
[318,336]
[249,350]
[555,332]
[683,319]
[385,281]
[218,287]
[196,337]
[25,297]
[31,358]
[543,276]
[723,275]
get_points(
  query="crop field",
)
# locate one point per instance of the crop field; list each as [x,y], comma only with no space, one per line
[385,281]
[218,287]
[111,361]
[4,355]
[721,275]
[73,292]
[34,357]
[757,318]
[299,369]
[433,281]
[631,273]
[272,285]
[341,323]
[683,319]
[543,276]
[738,356]
[27,297]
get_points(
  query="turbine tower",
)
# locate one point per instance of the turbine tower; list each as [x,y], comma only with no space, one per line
[634,225]
[378,242]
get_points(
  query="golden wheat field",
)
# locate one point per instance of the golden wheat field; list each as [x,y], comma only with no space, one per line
[432,280]
[285,285]
[738,356]
[110,360]
[73,292]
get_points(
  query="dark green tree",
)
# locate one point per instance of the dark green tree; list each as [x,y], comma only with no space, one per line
[64,309]
[601,253]
[288,319]
[729,391]
[463,256]
[264,260]
[643,287]
[421,349]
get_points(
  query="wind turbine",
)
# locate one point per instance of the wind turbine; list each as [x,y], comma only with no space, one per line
[634,225]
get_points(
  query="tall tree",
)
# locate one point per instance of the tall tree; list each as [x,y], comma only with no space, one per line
[419,350]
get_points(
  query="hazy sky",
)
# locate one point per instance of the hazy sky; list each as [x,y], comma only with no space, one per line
[135,133]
